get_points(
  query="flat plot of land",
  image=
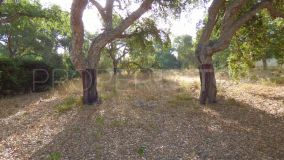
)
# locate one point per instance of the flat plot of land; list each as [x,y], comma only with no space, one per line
[156,118]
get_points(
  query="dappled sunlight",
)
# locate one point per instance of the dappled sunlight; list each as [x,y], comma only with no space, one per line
[11,105]
[227,122]
[35,125]
[248,94]
[162,115]
[265,98]
[136,88]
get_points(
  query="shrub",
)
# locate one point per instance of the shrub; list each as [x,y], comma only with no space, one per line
[16,76]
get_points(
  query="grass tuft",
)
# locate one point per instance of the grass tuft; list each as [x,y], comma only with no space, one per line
[68,103]
[182,99]
[100,120]
[141,150]
[118,123]
[54,156]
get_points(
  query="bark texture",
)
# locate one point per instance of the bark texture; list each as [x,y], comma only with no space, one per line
[90,93]
[232,16]
[77,27]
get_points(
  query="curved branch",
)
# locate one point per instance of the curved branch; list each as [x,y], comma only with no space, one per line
[145,6]
[231,12]
[109,10]
[100,9]
[106,37]
[224,41]
[212,19]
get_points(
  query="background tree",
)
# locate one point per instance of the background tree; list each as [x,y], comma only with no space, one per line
[40,35]
[145,42]
[30,37]
[88,62]
[183,45]
[13,10]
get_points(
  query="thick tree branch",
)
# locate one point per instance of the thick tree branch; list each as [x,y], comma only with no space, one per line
[212,19]
[145,6]
[100,9]
[109,10]
[231,12]
[224,41]
[107,36]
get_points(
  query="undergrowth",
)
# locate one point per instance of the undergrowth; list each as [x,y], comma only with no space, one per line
[68,103]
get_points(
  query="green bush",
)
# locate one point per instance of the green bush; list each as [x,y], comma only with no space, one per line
[16,76]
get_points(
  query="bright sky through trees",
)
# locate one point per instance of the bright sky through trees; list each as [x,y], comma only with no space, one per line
[185,25]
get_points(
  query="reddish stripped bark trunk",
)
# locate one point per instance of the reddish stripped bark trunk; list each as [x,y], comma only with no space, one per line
[208,91]
[90,93]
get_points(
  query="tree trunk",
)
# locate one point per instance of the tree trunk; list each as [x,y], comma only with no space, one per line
[264,61]
[12,53]
[115,69]
[208,84]
[90,94]
[208,90]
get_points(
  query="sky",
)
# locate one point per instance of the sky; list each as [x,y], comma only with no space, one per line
[185,25]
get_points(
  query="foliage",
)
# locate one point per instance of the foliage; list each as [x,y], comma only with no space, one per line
[259,39]
[147,46]
[167,61]
[39,30]
[220,60]
[18,75]
[183,45]
[31,37]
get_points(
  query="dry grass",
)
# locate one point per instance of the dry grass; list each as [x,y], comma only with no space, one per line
[155,118]
[68,104]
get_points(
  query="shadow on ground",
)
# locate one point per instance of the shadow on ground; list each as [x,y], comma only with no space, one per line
[175,127]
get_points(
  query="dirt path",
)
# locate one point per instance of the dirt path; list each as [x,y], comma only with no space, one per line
[157,120]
